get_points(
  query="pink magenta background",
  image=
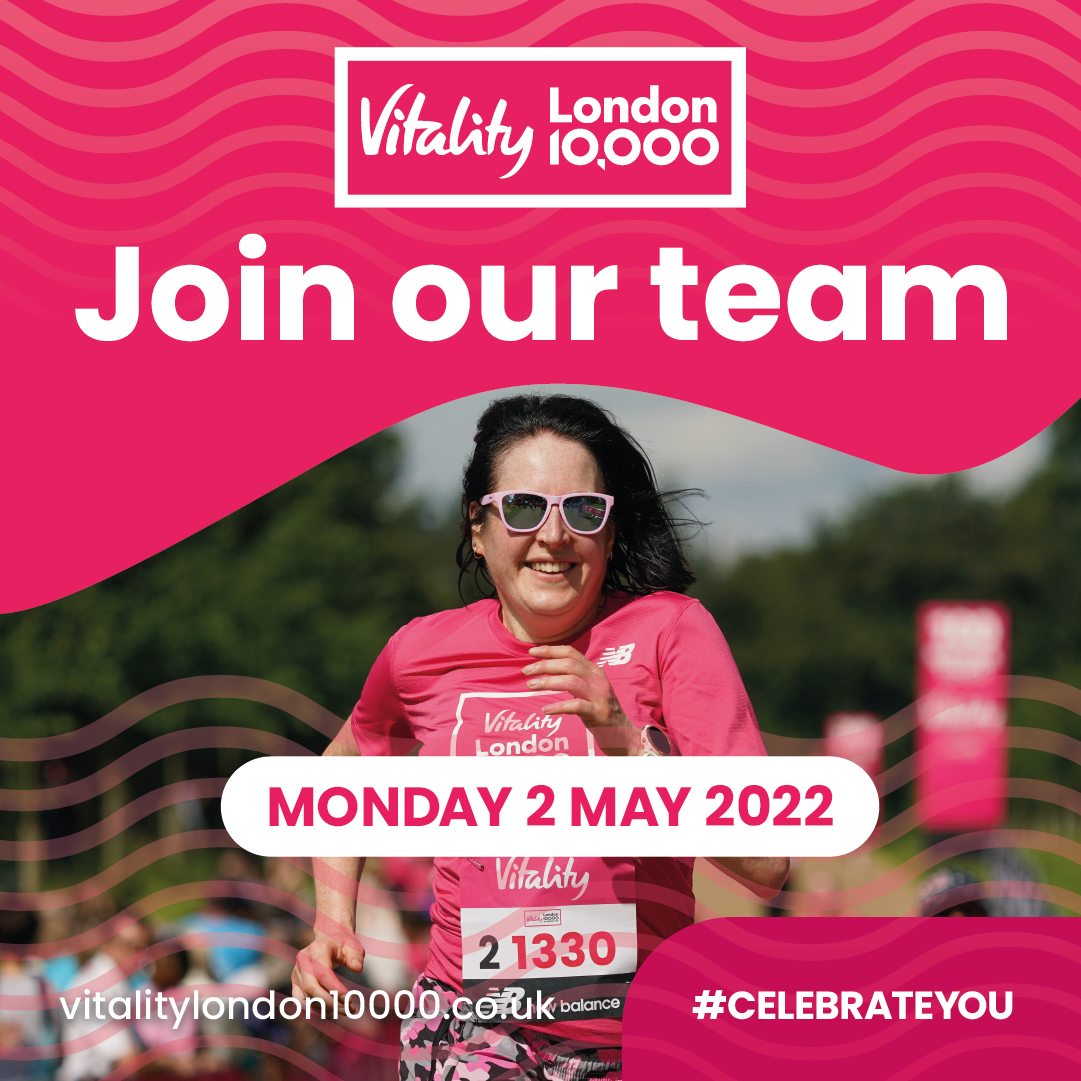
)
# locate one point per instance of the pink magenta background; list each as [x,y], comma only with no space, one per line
[930,131]
[1035,958]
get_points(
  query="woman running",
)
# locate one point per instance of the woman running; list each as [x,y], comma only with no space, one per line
[588,646]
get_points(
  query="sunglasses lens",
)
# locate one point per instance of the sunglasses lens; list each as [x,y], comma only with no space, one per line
[524,511]
[585,513]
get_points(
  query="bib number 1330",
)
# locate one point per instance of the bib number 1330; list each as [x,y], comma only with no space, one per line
[586,940]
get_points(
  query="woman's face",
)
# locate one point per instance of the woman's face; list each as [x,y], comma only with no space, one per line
[549,582]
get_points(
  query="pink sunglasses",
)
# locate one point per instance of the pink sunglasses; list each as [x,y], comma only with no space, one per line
[525,512]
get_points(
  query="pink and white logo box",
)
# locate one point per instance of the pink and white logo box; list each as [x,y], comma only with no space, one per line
[545,127]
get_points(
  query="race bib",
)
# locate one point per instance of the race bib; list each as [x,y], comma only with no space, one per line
[557,932]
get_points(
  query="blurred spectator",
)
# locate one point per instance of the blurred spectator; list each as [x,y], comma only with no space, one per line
[73,922]
[166,975]
[105,972]
[285,925]
[32,1025]
[226,962]
[951,892]
[238,866]
[1008,865]
[411,880]
[231,953]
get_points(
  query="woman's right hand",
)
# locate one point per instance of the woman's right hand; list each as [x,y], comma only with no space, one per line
[336,879]
[313,974]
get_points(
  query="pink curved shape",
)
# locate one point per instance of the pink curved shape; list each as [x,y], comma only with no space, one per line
[115,8]
[982,1043]
[890,120]
[167,133]
[77,48]
[850,1048]
[200,50]
[765,44]
[895,70]
[128,97]
[739,1037]
[889,214]
[647,227]
[1003,228]
[477,7]
[802,97]
[529,219]
[950,137]
[817,52]
[739,935]
[136,189]
[201,206]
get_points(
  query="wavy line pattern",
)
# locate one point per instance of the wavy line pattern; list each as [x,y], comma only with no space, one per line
[169,694]
[860,67]
[819,901]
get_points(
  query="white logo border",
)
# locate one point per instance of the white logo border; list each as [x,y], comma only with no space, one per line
[736,56]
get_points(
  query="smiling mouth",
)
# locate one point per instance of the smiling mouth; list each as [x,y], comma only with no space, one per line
[549,566]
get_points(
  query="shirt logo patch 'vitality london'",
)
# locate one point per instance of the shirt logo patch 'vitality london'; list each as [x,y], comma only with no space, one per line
[615,655]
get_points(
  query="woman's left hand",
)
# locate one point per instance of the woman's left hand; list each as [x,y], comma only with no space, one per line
[563,668]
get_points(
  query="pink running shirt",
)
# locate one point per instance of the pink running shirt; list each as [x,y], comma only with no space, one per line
[452,682]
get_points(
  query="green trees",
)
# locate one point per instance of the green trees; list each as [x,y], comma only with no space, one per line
[302,587]
[829,625]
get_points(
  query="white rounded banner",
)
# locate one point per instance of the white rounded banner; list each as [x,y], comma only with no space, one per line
[730,806]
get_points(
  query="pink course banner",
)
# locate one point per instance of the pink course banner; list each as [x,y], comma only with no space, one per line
[741,999]
[963,653]
[854,222]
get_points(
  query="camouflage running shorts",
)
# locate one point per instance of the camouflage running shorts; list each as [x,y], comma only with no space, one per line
[450,1049]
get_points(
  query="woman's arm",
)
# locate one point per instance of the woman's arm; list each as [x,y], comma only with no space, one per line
[336,879]
[707,712]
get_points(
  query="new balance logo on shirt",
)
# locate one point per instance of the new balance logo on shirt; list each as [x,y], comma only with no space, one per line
[615,655]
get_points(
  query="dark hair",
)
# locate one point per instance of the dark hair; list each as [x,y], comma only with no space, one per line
[648,552]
